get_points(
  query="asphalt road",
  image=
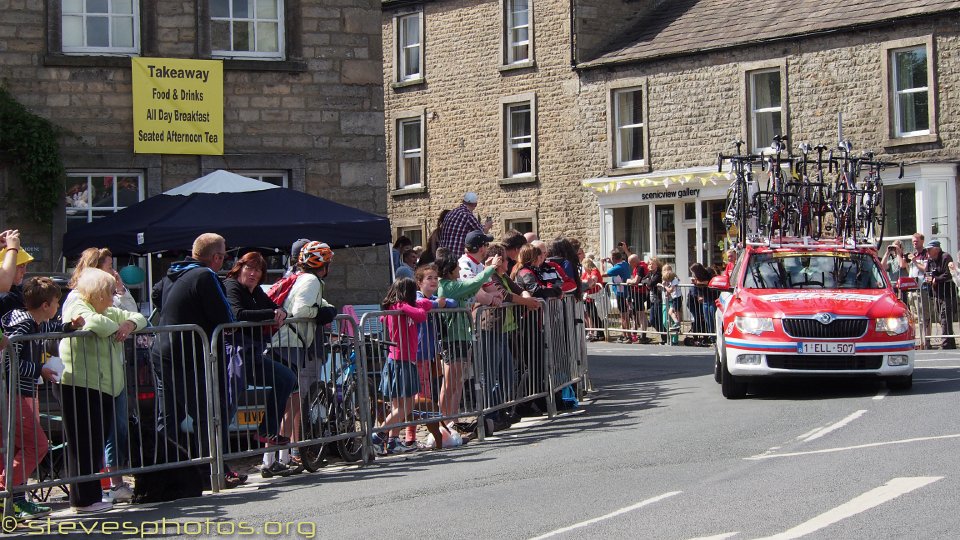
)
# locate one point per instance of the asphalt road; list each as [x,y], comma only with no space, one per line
[656,452]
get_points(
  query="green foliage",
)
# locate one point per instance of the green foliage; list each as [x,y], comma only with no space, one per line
[31,144]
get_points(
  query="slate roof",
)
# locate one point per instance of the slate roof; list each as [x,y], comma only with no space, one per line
[678,27]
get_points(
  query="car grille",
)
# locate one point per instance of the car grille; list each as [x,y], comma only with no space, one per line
[812,328]
[824,362]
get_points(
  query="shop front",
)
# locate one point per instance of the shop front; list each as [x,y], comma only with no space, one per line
[677,215]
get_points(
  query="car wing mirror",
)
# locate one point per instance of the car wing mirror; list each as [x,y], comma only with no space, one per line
[720,282]
[907,284]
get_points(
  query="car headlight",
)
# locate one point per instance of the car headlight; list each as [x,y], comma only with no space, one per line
[754,325]
[893,325]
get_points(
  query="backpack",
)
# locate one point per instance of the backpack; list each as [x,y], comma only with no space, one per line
[278,294]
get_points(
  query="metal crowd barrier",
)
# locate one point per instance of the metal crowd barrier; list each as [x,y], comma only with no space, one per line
[630,313]
[936,312]
[157,421]
[342,390]
[303,385]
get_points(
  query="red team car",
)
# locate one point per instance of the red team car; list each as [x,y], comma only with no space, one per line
[811,308]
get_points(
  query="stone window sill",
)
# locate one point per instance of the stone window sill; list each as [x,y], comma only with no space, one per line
[518,180]
[408,191]
[904,141]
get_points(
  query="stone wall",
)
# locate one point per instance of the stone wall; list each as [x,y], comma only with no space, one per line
[318,114]
[695,105]
[461,95]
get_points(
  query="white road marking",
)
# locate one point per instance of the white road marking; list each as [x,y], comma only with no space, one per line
[821,432]
[875,497]
[807,434]
[766,455]
[615,513]
[881,394]
[717,537]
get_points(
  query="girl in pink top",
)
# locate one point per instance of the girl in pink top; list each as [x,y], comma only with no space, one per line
[400,381]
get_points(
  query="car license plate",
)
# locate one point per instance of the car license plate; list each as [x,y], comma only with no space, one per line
[249,418]
[819,347]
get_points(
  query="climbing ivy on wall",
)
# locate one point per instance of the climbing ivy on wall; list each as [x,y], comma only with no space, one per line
[31,144]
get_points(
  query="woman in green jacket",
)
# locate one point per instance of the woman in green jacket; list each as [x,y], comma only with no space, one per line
[93,376]
[457,339]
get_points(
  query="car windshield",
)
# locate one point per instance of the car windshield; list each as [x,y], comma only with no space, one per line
[806,270]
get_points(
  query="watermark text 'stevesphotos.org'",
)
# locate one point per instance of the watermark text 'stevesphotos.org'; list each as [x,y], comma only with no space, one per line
[147,529]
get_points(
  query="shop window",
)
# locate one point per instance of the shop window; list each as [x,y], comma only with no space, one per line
[94,195]
[518,32]
[409,152]
[100,27]
[409,47]
[632,225]
[247,29]
[900,205]
[765,98]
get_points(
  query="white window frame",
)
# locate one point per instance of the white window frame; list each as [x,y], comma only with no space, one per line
[89,209]
[516,144]
[757,145]
[265,176]
[400,22]
[620,127]
[404,153]
[134,49]
[897,92]
[402,230]
[509,25]
[257,55]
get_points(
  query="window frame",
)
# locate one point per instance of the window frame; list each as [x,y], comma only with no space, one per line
[85,50]
[396,155]
[756,111]
[261,173]
[613,161]
[399,76]
[401,229]
[92,173]
[891,119]
[280,54]
[509,218]
[506,40]
[401,153]
[507,147]
[747,93]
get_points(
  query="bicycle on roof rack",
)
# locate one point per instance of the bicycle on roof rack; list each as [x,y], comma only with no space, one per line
[848,207]
[738,209]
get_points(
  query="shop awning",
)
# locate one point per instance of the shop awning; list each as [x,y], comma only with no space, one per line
[698,176]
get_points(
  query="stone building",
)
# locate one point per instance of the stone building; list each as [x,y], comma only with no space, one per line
[632,100]
[303,106]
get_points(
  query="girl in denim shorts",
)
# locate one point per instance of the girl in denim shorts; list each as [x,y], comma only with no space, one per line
[400,381]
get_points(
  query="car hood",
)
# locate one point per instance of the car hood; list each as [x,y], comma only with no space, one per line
[852,302]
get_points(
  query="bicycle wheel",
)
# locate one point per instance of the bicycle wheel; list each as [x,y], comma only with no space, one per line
[317,417]
[733,210]
[349,420]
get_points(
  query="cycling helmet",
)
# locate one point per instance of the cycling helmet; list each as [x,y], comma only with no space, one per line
[316,255]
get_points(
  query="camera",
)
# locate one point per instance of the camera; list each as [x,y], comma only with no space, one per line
[891,248]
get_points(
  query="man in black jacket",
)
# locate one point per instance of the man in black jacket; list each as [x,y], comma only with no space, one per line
[942,289]
[191,293]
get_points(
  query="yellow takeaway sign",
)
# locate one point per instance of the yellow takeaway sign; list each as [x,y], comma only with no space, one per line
[177,106]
